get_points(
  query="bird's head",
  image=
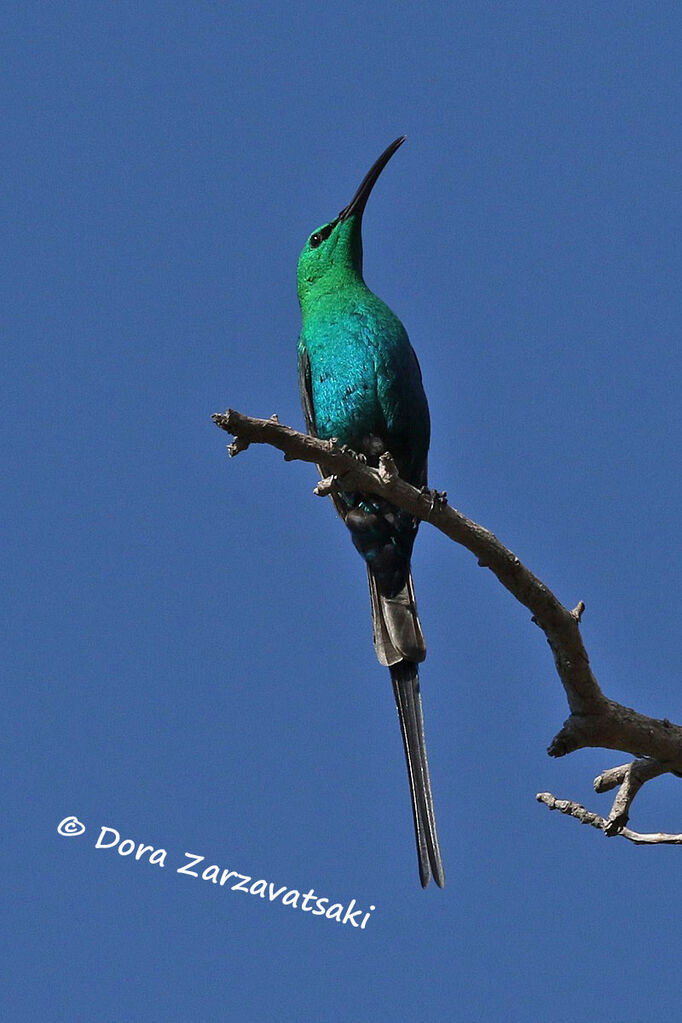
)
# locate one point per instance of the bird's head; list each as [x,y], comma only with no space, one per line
[332,255]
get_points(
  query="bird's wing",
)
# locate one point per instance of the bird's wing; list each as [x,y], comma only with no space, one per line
[306,391]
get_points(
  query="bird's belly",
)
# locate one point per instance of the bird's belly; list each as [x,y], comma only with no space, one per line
[346,405]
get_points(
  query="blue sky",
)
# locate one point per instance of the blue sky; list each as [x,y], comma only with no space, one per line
[190,657]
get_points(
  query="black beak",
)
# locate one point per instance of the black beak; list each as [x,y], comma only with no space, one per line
[359,200]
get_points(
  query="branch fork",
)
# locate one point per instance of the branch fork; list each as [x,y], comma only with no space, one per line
[629,779]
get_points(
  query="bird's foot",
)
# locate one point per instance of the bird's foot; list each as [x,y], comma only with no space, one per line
[357,455]
[436,497]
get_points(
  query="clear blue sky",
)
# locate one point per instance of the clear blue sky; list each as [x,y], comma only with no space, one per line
[190,657]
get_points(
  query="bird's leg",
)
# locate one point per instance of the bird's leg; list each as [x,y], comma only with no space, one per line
[436,497]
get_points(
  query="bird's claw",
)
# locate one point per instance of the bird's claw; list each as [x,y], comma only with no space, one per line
[357,455]
[436,497]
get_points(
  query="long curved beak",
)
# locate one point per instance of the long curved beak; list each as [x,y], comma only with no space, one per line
[359,200]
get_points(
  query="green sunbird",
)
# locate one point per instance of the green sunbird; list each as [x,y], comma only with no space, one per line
[360,382]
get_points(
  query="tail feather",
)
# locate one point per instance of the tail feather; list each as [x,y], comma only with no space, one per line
[405,678]
[397,630]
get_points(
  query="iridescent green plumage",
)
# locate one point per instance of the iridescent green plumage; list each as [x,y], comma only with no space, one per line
[361,383]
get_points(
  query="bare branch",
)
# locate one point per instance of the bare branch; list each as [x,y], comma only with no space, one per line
[630,777]
[572,809]
[594,719]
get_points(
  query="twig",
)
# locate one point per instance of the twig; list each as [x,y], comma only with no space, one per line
[572,809]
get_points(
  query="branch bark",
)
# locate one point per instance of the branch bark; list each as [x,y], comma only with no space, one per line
[594,719]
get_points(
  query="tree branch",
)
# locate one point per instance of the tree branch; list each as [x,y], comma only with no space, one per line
[594,720]
[630,778]
[572,809]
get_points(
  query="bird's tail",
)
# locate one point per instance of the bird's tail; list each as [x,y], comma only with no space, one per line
[405,678]
[399,644]
[398,633]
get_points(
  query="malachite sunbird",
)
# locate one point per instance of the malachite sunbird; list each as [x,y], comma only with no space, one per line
[361,383]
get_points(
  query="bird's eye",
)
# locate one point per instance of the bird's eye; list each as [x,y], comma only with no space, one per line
[321,236]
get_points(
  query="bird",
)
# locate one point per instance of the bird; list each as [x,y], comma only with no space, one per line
[361,384]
